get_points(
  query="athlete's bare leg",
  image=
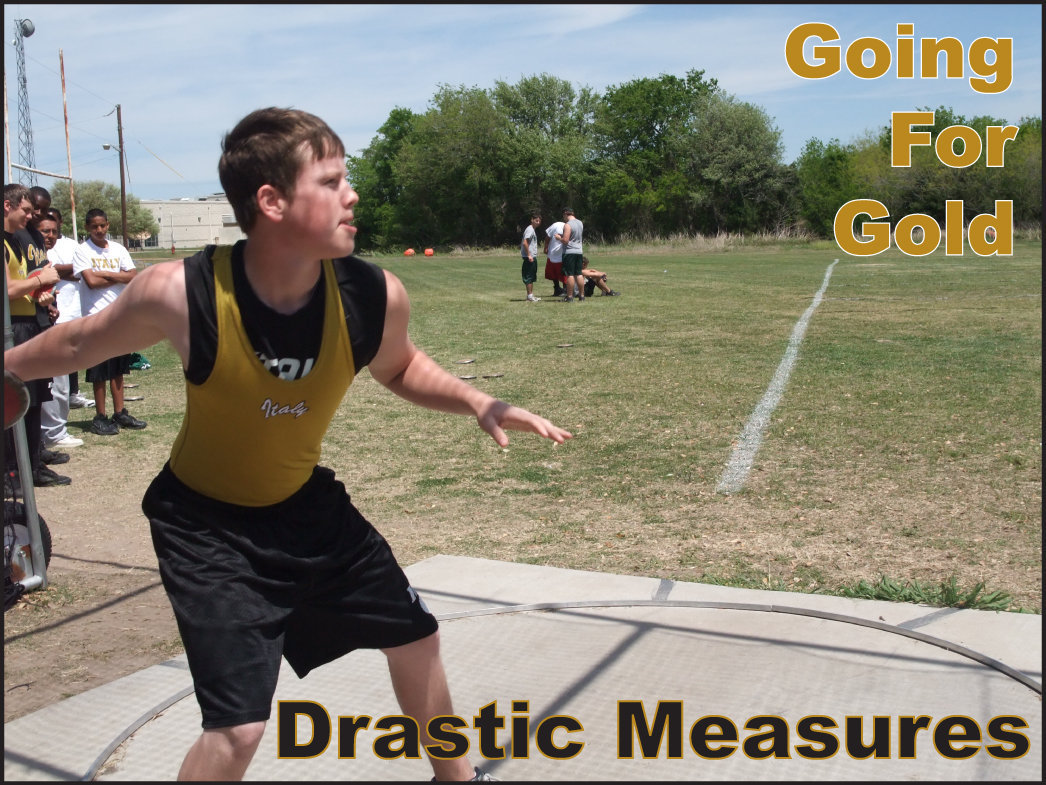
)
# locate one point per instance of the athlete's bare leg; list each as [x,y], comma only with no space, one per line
[222,753]
[421,688]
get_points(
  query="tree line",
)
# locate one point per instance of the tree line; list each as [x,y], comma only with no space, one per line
[653,157]
[96,194]
[647,158]
[831,174]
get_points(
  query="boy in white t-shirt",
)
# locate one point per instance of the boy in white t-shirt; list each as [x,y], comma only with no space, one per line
[67,297]
[54,414]
[529,249]
[554,258]
[105,268]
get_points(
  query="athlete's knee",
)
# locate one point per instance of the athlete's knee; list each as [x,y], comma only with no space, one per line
[242,739]
[423,647]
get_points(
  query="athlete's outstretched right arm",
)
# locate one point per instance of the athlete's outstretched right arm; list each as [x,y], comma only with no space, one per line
[414,376]
[151,308]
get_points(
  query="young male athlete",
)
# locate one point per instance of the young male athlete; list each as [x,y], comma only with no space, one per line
[573,256]
[261,551]
[529,248]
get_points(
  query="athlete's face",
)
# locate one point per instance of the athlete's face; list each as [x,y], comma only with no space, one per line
[321,209]
[49,229]
[97,228]
[40,203]
[16,218]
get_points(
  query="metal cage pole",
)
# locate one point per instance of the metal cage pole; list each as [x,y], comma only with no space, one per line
[38,580]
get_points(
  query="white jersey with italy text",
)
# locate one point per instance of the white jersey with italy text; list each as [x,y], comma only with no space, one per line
[112,258]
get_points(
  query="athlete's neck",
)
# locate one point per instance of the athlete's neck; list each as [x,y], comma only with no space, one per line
[282,282]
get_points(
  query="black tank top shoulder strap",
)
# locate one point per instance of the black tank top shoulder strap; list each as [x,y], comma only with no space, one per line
[363,298]
[203,314]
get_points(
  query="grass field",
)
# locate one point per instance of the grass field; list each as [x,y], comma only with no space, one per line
[905,453]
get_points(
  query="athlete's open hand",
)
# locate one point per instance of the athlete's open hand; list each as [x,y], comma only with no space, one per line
[499,417]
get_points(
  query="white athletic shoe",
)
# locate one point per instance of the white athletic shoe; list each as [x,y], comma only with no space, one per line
[533,299]
[68,441]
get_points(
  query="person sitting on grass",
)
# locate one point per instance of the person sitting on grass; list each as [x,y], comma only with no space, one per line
[594,278]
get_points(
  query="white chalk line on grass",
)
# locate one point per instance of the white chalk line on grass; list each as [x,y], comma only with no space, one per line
[751,439]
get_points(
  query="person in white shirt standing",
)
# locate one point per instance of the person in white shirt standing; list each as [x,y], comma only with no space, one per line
[529,249]
[573,255]
[554,258]
[66,247]
[54,414]
[105,267]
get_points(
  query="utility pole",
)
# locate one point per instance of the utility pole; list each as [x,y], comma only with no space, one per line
[123,182]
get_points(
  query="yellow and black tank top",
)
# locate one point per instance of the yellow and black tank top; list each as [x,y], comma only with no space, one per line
[250,437]
[17,270]
[32,244]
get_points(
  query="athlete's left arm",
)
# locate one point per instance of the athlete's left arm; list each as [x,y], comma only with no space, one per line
[414,376]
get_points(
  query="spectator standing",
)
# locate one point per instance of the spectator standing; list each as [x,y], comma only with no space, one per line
[32,243]
[105,267]
[76,399]
[22,303]
[573,261]
[529,248]
[554,257]
[60,251]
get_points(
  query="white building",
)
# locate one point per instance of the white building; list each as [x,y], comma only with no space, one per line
[193,223]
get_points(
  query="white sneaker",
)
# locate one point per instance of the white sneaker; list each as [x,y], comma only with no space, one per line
[68,441]
[533,299]
[78,401]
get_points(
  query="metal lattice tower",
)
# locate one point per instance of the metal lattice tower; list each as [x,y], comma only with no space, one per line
[23,29]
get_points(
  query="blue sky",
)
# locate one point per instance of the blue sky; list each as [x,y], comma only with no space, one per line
[184,75]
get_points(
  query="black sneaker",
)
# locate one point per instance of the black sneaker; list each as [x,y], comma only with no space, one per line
[103,426]
[53,458]
[478,776]
[124,420]
[45,478]
[611,293]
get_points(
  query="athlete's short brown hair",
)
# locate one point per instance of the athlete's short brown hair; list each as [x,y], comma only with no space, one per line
[269,147]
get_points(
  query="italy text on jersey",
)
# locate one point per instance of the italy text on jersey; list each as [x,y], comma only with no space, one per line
[273,408]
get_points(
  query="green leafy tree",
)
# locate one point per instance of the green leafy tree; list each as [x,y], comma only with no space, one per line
[1020,178]
[452,172]
[547,105]
[738,182]
[546,140]
[636,184]
[371,175]
[93,194]
[826,181]
[927,184]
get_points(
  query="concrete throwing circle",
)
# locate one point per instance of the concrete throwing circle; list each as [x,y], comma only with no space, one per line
[588,660]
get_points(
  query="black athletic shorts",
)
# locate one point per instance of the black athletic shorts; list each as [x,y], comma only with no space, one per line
[22,329]
[308,578]
[112,368]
